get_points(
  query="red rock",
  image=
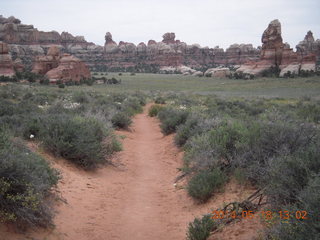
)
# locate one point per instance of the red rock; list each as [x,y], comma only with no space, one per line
[309,46]
[6,64]
[70,69]
[108,38]
[151,42]
[43,64]
[18,65]
[169,38]
[275,53]
[13,32]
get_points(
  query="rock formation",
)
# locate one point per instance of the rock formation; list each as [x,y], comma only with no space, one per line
[276,54]
[26,42]
[218,72]
[6,64]
[13,32]
[64,68]
[309,46]
[70,68]
[43,64]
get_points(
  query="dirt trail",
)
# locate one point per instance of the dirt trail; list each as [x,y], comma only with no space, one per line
[135,200]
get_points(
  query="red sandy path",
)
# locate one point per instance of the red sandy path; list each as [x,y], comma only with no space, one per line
[134,201]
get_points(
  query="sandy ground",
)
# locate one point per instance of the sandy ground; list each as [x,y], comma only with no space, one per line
[135,199]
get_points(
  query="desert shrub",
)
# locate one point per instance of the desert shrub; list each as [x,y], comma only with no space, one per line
[61,85]
[29,76]
[306,73]
[200,228]
[8,108]
[240,175]
[309,112]
[171,118]
[194,125]
[185,131]
[77,139]
[32,126]
[131,106]
[141,98]
[7,79]
[308,200]
[202,185]
[271,72]
[239,108]
[154,110]
[25,181]
[269,140]
[81,97]
[288,175]
[121,120]
[215,148]
[159,100]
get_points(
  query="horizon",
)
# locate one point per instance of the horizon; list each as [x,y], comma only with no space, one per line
[202,23]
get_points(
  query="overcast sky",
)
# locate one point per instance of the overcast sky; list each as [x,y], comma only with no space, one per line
[207,22]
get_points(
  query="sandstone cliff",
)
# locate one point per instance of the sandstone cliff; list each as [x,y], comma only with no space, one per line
[6,64]
[26,43]
[278,55]
[61,67]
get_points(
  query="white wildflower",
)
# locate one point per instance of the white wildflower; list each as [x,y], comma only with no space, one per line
[31,136]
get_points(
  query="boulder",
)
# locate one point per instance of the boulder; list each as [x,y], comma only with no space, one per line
[217,72]
[197,74]
[308,67]
[292,69]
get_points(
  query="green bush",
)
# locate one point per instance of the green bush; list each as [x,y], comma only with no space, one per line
[77,139]
[266,141]
[202,185]
[308,200]
[25,181]
[216,147]
[154,110]
[310,112]
[200,229]
[61,85]
[132,105]
[288,175]
[170,119]
[121,120]
[160,100]
[81,97]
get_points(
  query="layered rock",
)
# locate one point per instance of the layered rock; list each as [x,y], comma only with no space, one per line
[60,67]
[26,42]
[6,64]
[70,68]
[309,46]
[276,54]
[18,65]
[172,52]
[13,32]
[44,64]
[238,54]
